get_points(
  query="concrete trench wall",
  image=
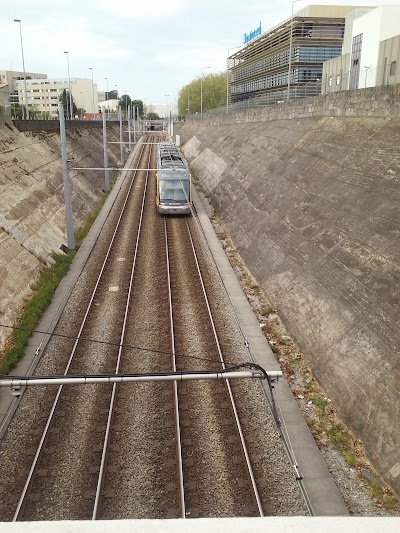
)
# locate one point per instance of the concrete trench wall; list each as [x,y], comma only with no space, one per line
[32,215]
[313,206]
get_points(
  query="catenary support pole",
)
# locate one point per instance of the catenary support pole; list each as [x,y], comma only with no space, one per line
[120,137]
[106,171]
[67,192]
[129,129]
[134,125]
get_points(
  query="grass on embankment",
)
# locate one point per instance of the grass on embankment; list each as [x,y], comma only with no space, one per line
[42,294]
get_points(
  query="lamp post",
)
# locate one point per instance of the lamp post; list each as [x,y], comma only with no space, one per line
[81,105]
[166,105]
[94,111]
[23,67]
[227,76]
[290,51]
[116,90]
[366,74]
[69,89]
[201,89]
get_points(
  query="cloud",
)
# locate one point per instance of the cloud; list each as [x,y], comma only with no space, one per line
[135,9]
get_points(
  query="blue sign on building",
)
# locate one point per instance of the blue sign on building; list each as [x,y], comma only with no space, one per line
[252,35]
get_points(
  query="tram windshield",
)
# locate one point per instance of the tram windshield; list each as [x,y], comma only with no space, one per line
[176,190]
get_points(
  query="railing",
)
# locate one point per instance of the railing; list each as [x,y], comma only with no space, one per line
[278,97]
[331,82]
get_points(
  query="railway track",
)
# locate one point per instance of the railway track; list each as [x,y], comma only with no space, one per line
[145,450]
[218,475]
[61,479]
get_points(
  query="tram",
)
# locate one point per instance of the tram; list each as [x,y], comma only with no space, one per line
[174,188]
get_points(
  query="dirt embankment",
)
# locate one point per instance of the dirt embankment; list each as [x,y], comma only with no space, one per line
[32,215]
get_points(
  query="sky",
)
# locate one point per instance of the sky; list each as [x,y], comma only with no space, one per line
[148,49]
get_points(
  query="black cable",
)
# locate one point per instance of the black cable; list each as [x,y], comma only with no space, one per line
[115,344]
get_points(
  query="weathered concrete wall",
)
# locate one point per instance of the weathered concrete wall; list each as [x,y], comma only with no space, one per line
[313,206]
[374,102]
[54,125]
[32,215]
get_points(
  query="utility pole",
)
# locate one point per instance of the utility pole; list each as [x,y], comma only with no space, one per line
[120,135]
[67,192]
[106,171]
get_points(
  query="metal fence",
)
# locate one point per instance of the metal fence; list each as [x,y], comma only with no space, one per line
[367,77]
[279,97]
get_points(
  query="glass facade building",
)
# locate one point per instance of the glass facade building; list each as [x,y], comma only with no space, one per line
[261,69]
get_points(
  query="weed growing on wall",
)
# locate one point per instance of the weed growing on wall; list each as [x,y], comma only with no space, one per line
[34,308]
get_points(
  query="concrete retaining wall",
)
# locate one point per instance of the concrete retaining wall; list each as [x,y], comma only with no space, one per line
[54,125]
[374,102]
[32,215]
[313,207]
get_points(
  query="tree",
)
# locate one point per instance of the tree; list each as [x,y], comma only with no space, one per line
[125,101]
[19,112]
[112,95]
[80,112]
[152,116]
[214,94]
[65,100]
[138,104]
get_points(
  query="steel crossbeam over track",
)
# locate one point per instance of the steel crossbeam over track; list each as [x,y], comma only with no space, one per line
[16,382]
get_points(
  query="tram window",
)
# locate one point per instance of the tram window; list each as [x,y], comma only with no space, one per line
[174,189]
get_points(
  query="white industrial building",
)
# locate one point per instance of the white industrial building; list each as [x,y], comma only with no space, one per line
[12,77]
[371,51]
[43,95]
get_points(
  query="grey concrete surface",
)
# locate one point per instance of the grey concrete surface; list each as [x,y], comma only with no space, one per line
[32,212]
[318,484]
[312,206]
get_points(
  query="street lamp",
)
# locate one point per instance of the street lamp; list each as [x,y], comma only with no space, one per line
[227,76]
[94,111]
[108,100]
[69,88]
[366,74]
[166,105]
[201,89]
[290,51]
[23,66]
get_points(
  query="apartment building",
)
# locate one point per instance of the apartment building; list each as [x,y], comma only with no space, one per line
[43,95]
[12,77]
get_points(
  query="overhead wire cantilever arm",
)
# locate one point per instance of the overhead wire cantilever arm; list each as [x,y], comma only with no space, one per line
[16,382]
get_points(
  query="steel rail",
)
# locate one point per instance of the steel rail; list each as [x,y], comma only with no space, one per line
[176,402]
[238,424]
[55,402]
[100,481]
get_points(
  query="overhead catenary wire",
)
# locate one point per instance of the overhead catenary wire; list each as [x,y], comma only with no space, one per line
[118,345]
